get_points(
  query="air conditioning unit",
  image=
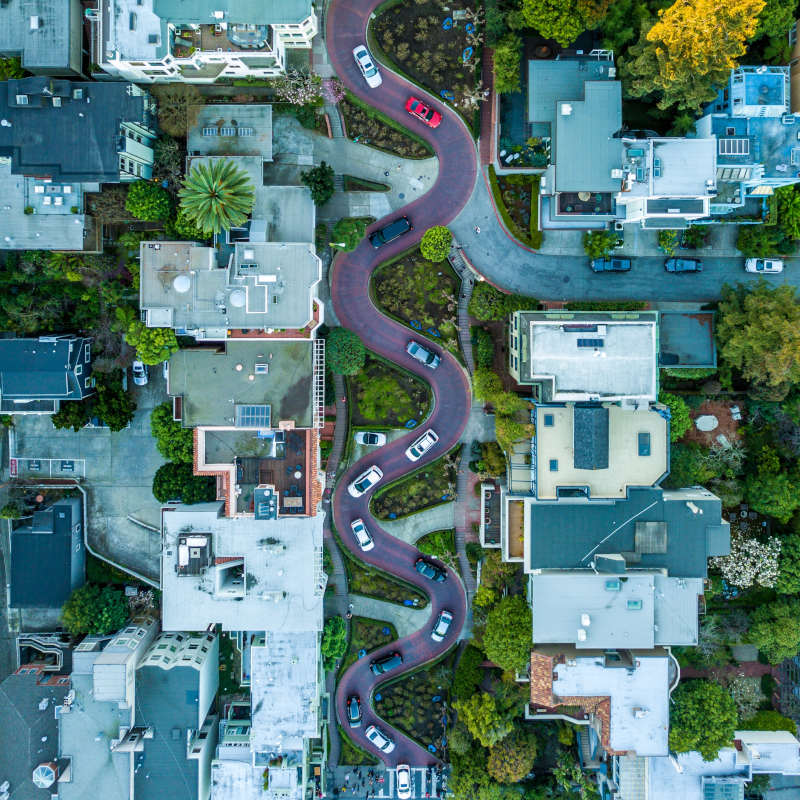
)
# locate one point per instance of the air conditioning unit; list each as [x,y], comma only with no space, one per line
[262,369]
[36,23]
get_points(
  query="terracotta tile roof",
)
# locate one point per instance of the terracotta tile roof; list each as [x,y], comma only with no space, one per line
[542,679]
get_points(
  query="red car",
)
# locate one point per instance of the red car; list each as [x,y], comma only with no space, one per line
[428,115]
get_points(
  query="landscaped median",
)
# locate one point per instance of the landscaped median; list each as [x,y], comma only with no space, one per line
[516,198]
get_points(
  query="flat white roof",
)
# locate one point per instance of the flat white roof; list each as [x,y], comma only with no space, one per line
[666,783]
[639,719]
[282,592]
[238,780]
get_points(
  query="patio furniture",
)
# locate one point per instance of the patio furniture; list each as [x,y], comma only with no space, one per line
[584,196]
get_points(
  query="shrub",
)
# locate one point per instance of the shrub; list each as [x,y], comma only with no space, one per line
[334,641]
[775,629]
[507,638]
[668,241]
[177,482]
[153,345]
[344,352]
[468,674]
[173,442]
[349,231]
[599,244]
[506,64]
[483,347]
[148,201]
[28,210]
[702,717]
[320,181]
[769,721]
[512,759]
[680,420]
[435,244]
[94,610]
[489,304]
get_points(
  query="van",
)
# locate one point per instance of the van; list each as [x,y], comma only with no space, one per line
[394,230]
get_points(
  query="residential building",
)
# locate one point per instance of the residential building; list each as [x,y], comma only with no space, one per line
[48,559]
[150,41]
[37,375]
[688,776]
[46,35]
[755,132]
[86,134]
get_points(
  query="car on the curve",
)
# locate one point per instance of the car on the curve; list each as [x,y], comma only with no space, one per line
[430,116]
[141,374]
[442,625]
[403,781]
[380,739]
[354,711]
[610,264]
[367,66]
[388,233]
[422,354]
[764,266]
[365,481]
[683,265]
[385,664]
[422,445]
[371,439]
[430,571]
[363,536]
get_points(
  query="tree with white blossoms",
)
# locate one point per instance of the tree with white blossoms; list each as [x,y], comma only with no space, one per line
[751,561]
[333,91]
[298,88]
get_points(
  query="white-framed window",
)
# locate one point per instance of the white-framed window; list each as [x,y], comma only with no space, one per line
[79,369]
[87,353]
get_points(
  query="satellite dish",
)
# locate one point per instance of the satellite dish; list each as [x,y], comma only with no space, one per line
[237,298]
[182,284]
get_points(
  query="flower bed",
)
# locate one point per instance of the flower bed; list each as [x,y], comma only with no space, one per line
[366,634]
[370,582]
[422,295]
[517,200]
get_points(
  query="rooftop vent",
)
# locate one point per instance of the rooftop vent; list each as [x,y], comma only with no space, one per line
[586,620]
[566,109]
[581,634]
[36,23]
[182,284]
[262,369]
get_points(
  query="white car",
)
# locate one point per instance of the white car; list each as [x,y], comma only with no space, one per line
[367,66]
[371,439]
[365,481]
[422,445]
[403,778]
[165,370]
[362,535]
[763,266]
[140,373]
[442,625]
[379,739]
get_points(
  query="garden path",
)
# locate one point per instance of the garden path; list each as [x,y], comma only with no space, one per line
[411,528]
[405,619]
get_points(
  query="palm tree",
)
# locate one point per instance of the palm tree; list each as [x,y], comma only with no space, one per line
[217,196]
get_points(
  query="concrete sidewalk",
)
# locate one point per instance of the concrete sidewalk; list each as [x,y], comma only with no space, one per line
[409,529]
[406,620]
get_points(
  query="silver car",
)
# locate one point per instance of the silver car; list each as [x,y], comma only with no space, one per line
[442,625]
[367,66]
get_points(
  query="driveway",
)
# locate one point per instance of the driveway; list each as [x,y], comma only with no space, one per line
[119,469]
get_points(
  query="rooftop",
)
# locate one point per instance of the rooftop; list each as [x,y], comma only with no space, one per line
[254,12]
[590,356]
[603,612]
[39,368]
[284,691]
[226,130]
[671,171]
[132,30]
[633,451]
[689,335]
[652,528]
[256,575]
[50,43]
[225,386]
[239,780]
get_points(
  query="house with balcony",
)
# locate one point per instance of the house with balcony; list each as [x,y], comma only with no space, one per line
[162,41]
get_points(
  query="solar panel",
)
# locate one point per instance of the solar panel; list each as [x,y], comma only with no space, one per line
[227,131]
[245,131]
[253,416]
[209,131]
[590,342]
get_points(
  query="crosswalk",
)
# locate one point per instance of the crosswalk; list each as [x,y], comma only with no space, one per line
[423,785]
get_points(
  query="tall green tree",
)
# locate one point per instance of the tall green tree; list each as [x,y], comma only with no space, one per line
[113,405]
[217,196]
[177,482]
[483,719]
[320,181]
[507,56]
[599,244]
[563,21]
[789,565]
[508,637]
[94,609]
[174,442]
[511,759]
[435,244]
[789,211]
[344,352]
[690,50]
[153,345]
[468,674]
[334,641]
[702,717]
[762,241]
[758,333]
[775,629]
[776,495]
[148,201]
[776,18]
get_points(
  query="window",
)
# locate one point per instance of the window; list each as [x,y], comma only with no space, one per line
[553,465]
[79,369]
[734,147]
[590,342]
[87,353]
[548,420]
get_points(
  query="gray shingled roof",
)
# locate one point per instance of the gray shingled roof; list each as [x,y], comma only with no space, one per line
[32,368]
[590,437]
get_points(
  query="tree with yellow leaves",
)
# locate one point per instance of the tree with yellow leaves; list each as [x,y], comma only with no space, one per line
[690,50]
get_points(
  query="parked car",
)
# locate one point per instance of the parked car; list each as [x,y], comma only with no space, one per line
[611,264]
[428,115]
[430,571]
[165,370]
[683,265]
[365,481]
[141,374]
[363,536]
[422,445]
[403,781]
[354,711]
[764,266]
[381,740]
[367,66]
[427,357]
[442,625]
[371,439]
[385,664]
[388,233]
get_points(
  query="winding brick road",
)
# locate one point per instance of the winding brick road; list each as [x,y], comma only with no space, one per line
[455,149]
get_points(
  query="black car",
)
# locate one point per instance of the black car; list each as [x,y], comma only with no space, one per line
[430,571]
[611,264]
[683,265]
[394,230]
[354,711]
[385,664]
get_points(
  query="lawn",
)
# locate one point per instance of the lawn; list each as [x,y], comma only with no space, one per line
[517,200]
[418,705]
[422,39]
[370,127]
[441,545]
[366,634]
[383,395]
[353,756]
[422,295]
[353,184]
[370,582]
[435,483]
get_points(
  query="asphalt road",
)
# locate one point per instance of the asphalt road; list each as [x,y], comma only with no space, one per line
[455,150]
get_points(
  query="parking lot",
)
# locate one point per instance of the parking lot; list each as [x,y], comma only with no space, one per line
[116,469]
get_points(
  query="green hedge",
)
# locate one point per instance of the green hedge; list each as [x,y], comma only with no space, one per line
[533,238]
